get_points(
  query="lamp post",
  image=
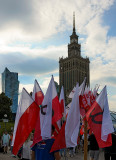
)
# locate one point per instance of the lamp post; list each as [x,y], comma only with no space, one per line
[5,120]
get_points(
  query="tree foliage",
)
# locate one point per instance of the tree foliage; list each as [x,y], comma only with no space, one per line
[5,104]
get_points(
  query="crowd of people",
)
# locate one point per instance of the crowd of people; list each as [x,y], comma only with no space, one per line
[41,150]
[5,142]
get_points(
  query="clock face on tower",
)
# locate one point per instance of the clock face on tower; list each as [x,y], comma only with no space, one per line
[74,40]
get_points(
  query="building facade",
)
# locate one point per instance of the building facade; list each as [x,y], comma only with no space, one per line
[73,68]
[10,86]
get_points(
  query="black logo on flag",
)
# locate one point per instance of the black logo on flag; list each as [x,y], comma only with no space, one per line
[94,116]
[42,109]
[43,112]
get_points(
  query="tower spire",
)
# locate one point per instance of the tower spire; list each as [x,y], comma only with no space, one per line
[73,22]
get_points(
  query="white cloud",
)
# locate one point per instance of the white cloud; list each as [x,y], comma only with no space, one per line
[112,105]
[43,85]
[110,50]
[52,51]
[114,97]
[96,37]
[28,87]
[26,22]
[38,20]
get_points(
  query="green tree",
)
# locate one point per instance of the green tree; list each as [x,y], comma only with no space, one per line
[5,104]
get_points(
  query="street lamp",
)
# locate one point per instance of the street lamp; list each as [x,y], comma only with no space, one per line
[5,120]
[5,115]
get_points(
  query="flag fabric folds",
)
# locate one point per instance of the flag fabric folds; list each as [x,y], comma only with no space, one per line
[81,92]
[72,93]
[62,102]
[62,106]
[73,121]
[26,117]
[53,111]
[38,96]
[68,134]
[81,89]
[99,120]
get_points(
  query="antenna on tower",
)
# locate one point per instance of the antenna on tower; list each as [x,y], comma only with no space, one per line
[73,22]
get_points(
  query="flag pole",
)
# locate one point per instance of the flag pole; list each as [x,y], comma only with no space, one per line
[85,140]
[85,128]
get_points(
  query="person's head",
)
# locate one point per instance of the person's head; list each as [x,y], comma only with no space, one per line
[6,132]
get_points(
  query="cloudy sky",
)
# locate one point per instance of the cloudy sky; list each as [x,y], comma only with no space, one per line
[34,34]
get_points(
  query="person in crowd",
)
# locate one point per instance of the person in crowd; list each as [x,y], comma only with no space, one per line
[1,149]
[26,149]
[110,152]
[10,141]
[83,143]
[5,141]
[41,150]
[19,153]
[63,152]
[94,148]
[71,151]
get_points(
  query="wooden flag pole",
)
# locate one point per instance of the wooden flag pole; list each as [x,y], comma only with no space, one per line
[85,140]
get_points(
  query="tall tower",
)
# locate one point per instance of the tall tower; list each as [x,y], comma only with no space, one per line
[73,68]
[10,86]
[74,46]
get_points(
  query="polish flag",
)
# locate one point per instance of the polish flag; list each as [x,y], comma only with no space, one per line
[68,108]
[81,89]
[95,90]
[53,111]
[72,93]
[81,92]
[26,117]
[99,120]
[62,102]
[38,96]
[62,106]
[86,90]
[68,134]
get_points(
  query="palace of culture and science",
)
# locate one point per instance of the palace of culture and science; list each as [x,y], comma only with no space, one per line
[73,68]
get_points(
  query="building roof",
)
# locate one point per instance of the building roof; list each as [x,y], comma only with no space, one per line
[113,117]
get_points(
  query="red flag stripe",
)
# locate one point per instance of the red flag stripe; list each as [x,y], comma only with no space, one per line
[60,138]
[62,106]
[25,126]
[39,97]
[57,115]
[94,117]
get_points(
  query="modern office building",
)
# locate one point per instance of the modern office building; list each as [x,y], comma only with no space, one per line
[10,86]
[73,68]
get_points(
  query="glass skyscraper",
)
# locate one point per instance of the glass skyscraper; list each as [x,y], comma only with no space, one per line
[10,86]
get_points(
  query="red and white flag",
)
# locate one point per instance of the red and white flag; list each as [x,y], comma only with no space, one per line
[81,89]
[68,108]
[62,102]
[68,134]
[26,117]
[72,93]
[53,112]
[38,96]
[99,120]
[62,106]
[95,90]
